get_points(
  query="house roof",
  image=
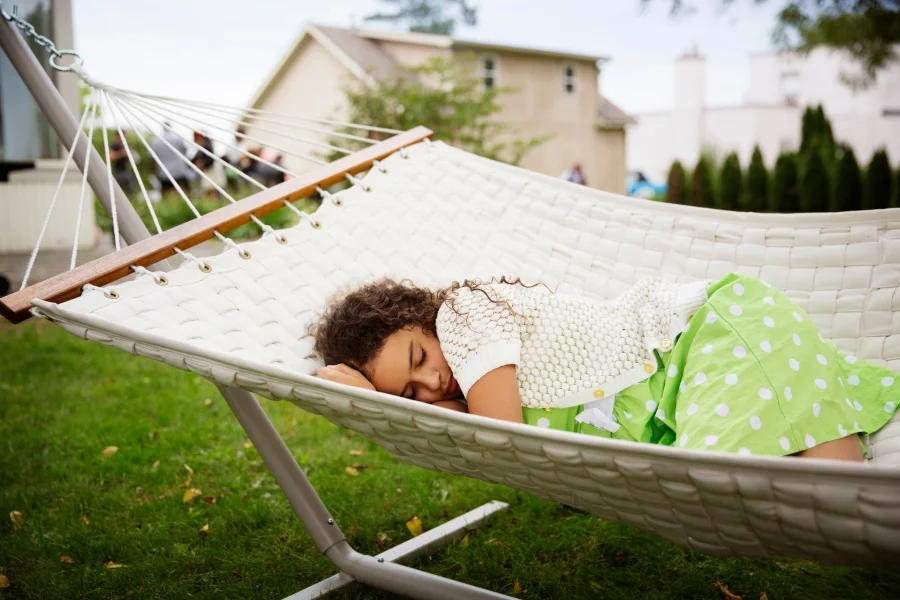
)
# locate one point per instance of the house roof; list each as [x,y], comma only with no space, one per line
[611,116]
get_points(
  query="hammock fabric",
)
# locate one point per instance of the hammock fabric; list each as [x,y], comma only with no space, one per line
[435,214]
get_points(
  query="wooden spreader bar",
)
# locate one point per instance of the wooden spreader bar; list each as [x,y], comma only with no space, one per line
[16,307]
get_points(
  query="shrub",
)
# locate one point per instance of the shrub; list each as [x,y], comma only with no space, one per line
[757,197]
[730,184]
[784,197]
[676,190]
[878,182]
[814,191]
[847,184]
[701,185]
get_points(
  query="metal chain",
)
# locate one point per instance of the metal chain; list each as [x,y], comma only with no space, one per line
[44,42]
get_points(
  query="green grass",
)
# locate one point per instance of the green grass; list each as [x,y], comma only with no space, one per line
[64,400]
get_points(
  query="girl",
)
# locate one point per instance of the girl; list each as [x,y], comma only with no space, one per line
[730,365]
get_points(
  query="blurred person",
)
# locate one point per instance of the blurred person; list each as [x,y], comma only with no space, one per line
[574,174]
[170,155]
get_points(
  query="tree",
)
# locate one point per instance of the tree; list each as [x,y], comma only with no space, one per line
[784,197]
[807,129]
[445,95]
[731,184]
[701,185]
[814,188]
[847,183]
[815,131]
[757,197]
[878,182]
[428,16]
[676,190]
[867,30]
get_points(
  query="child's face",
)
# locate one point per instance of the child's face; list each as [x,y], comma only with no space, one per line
[412,365]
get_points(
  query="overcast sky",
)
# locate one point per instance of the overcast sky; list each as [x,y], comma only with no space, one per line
[222,50]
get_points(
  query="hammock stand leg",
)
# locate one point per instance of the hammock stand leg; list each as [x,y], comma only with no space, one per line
[379,572]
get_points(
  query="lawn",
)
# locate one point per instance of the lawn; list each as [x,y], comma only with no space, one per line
[79,520]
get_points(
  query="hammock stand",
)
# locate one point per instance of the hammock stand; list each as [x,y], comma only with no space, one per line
[714,502]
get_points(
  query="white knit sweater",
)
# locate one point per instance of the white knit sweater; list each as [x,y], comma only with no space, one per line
[568,350]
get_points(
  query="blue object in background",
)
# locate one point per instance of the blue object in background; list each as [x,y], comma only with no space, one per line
[639,186]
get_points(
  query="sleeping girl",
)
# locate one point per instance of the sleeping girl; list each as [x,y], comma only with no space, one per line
[730,365]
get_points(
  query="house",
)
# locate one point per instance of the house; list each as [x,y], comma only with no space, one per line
[782,85]
[556,93]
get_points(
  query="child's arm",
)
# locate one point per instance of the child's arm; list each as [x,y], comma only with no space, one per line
[496,395]
[452,405]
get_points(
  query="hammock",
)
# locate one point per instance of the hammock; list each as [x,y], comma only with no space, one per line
[434,214]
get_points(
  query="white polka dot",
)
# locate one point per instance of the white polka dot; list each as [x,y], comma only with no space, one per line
[769,300]
[739,352]
[731,379]
[651,406]
[628,416]
[798,317]
[766,346]
[820,383]
[661,414]
[810,441]
[543,422]
[683,440]
[765,393]
[841,430]
[857,406]
[722,409]
[736,310]
[699,378]
[853,380]
[706,349]
[692,409]
[785,443]
[889,407]
[847,400]
[796,339]
[744,451]
[822,360]
[794,364]
[711,440]
[673,370]
[682,387]
[887,381]
[850,359]
[769,321]
[855,425]
[817,409]
[738,289]
[788,393]
[711,317]
[755,422]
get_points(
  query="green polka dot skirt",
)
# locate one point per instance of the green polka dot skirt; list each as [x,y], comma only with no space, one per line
[751,375]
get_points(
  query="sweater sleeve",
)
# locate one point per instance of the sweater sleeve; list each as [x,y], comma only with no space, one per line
[477,335]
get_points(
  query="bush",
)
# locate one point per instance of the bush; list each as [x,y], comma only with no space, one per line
[878,182]
[847,184]
[676,190]
[701,185]
[757,197]
[814,192]
[785,197]
[730,184]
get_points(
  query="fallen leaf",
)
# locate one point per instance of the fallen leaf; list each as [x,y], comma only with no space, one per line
[188,469]
[351,471]
[493,542]
[248,444]
[256,484]
[211,500]
[204,531]
[207,402]
[415,526]
[4,582]
[84,520]
[66,559]
[357,452]
[382,539]
[191,495]
[156,464]
[109,451]
[517,587]
[464,542]
[763,596]
[726,593]
[17,519]
[112,565]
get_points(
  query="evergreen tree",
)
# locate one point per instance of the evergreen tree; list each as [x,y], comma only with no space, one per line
[784,197]
[701,185]
[895,200]
[807,129]
[757,197]
[814,192]
[676,190]
[730,184]
[824,136]
[878,182]
[847,184]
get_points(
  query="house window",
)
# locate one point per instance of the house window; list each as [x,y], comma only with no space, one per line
[489,64]
[570,74]
[790,87]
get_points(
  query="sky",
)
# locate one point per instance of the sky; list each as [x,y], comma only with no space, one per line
[223,50]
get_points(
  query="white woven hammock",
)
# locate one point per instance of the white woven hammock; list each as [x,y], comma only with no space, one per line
[436,214]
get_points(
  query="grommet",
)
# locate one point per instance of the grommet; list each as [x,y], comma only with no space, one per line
[111,294]
[316,225]
[337,201]
[281,239]
[598,394]
[205,267]
[161,280]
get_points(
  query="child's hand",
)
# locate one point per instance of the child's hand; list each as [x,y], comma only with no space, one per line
[346,375]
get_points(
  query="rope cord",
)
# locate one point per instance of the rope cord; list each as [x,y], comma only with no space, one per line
[62,176]
[204,266]
[109,174]
[87,164]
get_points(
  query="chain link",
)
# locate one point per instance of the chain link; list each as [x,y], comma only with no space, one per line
[44,42]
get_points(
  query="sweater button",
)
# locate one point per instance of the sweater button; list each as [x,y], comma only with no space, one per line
[547,409]
[665,343]
[598,394]
[648,367]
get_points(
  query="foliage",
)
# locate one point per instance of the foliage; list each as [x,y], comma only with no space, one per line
[784,198]
[847,183]
[701,185]
[814,186]
[816,132]
[444,95]
[878,188]
[428,16]
[676,188]
[757,195]
[731,184]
